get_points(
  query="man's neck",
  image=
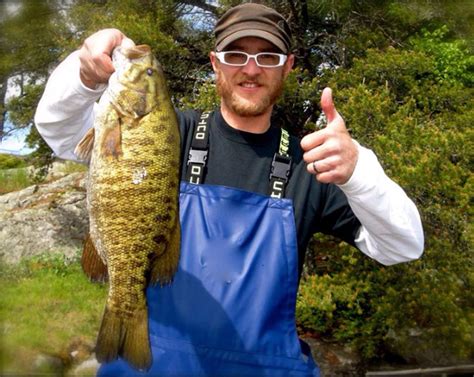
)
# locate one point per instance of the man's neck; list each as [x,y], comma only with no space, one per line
[254,124]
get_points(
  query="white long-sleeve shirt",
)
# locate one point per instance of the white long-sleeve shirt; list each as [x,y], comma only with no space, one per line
[391,230]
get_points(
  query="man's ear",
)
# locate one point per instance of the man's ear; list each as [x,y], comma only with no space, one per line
[288,65]
[213,58]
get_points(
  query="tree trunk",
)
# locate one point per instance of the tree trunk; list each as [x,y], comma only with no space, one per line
[3,112]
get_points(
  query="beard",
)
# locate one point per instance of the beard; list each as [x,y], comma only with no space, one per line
[248,107]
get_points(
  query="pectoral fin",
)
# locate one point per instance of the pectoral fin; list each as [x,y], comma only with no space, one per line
[112,142]
[111,138]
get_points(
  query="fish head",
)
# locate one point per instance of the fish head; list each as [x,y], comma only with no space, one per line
[136,82]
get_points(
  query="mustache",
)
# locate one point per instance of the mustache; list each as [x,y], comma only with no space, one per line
[252,79]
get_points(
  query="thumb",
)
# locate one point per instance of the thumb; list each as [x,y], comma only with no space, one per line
[327,105]
[127,43]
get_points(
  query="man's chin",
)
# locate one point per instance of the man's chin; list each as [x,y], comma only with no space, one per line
[249,109]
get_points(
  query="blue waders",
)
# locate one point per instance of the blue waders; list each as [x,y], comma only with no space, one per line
[230,310]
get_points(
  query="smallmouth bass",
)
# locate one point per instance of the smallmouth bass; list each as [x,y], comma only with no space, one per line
[132,199]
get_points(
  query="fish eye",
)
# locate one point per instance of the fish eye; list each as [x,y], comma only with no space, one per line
[149,71]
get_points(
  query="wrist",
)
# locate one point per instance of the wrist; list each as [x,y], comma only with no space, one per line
[366,172]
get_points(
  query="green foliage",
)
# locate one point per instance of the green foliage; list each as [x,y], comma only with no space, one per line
[46,303]
[9,161]
[180,48]
[28,47]
[28,40]
[22,109]
[417,118]
[453,61]
[206,97]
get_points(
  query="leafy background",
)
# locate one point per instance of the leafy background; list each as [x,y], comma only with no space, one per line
[402,74]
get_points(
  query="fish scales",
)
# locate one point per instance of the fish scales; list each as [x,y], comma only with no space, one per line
[133,199]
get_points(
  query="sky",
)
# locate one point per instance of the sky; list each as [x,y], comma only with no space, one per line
[15,144]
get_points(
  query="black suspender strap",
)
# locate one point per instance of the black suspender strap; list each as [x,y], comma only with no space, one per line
[197,157]
[281,167]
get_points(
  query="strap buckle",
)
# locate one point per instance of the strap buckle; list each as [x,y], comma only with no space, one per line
[197,156]
[281,166]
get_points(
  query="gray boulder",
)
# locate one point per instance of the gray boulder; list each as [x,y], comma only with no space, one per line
[44,218]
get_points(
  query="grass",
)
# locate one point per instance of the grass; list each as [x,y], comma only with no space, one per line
[45,303]
[69,167]
[14,180]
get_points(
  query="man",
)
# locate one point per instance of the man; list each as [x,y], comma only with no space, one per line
[230,308]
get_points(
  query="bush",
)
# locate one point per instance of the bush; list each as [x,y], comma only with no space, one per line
[9,161]
[420,127]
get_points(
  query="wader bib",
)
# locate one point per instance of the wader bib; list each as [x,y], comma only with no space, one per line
[230,310]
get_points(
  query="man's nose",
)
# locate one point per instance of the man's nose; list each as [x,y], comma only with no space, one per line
[251,68]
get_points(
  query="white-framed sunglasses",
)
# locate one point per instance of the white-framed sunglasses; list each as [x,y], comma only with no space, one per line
[240,58]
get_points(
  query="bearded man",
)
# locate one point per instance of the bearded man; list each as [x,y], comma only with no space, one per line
[251,198]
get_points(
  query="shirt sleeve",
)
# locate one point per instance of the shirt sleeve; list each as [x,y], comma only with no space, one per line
[66,109]
[391,230]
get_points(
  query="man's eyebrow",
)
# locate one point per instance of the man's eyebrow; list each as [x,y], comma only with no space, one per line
[240,47]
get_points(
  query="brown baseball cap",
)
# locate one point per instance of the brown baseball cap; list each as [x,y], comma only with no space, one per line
[253,20]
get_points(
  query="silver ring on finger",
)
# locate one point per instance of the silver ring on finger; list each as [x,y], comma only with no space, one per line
[315,168]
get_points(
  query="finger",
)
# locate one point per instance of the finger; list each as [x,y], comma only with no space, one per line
[313,167]
[324,165]
[315,154]
[313,140]
[105,66]
[112,38]
[327,105]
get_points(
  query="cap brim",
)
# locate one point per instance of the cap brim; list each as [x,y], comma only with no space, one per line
[252,33]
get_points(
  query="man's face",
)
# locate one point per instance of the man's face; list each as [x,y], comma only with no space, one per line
[250,90]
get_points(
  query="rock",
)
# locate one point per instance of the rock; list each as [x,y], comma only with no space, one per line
[335,360]
[44,218]
[88,367]
[83,358]
[80,350]
[48,365]
[413,349]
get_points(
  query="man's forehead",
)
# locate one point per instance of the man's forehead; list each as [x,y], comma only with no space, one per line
[250,43]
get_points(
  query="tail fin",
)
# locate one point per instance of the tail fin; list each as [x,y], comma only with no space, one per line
[92,263]
[126,337]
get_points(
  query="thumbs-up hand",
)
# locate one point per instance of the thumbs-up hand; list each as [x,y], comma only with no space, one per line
[330,153]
